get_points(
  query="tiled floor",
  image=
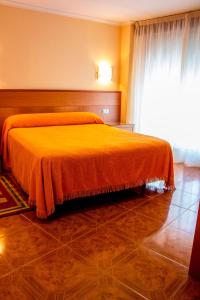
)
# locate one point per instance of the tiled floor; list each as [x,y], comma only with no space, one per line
[123,246]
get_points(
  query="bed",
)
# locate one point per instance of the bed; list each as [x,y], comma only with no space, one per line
[60,156]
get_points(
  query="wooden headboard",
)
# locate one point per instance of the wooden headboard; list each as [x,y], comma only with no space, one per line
[32,101]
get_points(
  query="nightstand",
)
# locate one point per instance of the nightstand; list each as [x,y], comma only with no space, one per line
[125,126]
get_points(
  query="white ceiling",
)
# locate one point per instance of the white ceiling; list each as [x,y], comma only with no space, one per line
[114,11]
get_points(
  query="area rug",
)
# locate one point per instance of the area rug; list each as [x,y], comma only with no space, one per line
[12,199]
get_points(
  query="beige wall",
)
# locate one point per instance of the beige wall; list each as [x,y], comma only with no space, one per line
[41,50]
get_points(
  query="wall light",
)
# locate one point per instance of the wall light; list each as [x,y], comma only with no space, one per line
[104,73]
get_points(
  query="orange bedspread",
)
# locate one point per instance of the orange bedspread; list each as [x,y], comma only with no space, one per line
[64,161]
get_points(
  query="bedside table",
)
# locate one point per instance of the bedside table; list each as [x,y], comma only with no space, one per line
[125,126]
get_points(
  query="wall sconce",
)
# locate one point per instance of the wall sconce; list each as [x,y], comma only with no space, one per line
[104,72]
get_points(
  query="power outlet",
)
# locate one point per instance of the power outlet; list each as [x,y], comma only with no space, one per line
[105,111]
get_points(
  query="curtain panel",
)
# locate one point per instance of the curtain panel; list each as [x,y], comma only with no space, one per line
[165,87]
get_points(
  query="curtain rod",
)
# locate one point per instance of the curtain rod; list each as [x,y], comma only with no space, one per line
[166,18]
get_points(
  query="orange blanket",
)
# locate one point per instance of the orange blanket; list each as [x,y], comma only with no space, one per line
[56,163]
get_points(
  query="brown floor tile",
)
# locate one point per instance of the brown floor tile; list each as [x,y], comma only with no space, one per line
[103,214]
[160,210]
[14,287]
[64,227]
[12,224]
[103,247]
[107,288]
[183,173]
[178,172]
[133,244]
[60,275]
[189,291]
[191,173]
[180,198]
[150,274]
[130,199]
[186,222]
[135,226]
[28,244]
[190,186]
[172,243]
[151,189]
[195,207]
[4,266]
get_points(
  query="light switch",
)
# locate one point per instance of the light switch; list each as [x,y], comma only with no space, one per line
[105,111]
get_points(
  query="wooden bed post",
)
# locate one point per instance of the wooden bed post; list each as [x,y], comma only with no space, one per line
[194,269]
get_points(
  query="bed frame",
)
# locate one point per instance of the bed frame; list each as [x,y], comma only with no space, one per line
[33,101]
[18,101]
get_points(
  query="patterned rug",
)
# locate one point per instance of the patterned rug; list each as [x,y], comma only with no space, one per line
[12,199]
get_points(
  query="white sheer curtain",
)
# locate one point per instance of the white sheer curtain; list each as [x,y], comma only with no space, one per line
[165,99]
